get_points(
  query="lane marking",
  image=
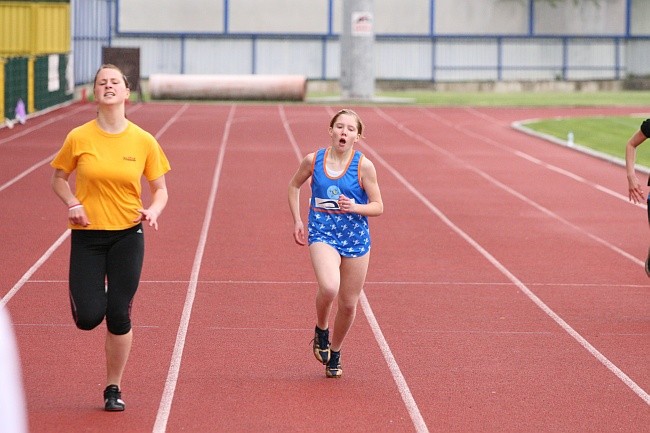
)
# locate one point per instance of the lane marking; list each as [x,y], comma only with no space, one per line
[164,409]
[171,120]
[393,366]
[31,127]
[28,171]
[21,282]
[70,325]
[389,284]
[287,129]
[404,390]
[537,301]
[519,126]
[506,188]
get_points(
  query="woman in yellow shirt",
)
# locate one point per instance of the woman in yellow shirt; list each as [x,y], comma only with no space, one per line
[110,154]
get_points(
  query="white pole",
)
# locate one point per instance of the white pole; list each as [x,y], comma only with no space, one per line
[357,54]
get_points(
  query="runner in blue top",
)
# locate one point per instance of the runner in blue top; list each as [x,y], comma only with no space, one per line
[345,193]
[349,233]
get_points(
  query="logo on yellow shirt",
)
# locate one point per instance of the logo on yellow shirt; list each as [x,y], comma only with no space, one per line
[129,158]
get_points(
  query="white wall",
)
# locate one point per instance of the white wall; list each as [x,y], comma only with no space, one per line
[412,17]
[430,40]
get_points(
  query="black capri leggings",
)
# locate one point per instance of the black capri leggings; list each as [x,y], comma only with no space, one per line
[105,268]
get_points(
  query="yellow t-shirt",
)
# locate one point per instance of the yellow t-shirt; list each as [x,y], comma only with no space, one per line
[109,168]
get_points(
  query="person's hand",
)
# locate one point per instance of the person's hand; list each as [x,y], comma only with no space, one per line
[77,215]
[299,233]
[148,215]
[345,204]
[636,193]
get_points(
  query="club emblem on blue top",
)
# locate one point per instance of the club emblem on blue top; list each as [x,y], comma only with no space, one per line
[333,192]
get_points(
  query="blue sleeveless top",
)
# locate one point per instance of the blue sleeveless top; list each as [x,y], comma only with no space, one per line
[348,233]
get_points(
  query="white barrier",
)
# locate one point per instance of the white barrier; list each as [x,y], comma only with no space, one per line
[238,87]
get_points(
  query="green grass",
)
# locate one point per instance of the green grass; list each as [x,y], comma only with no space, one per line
[604,134]
[518,99]
[536,99]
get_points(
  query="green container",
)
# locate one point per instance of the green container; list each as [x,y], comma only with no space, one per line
[16,84]
[51,86]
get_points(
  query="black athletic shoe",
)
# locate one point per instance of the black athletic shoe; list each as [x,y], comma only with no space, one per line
[113,399]
[322,345]
[647,264]
[333,368]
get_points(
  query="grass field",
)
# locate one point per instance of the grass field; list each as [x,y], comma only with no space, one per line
[604,134]
[525,99]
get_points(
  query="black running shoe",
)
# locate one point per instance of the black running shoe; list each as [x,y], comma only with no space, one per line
[333,368]
[113,399]
[647,264]
[322,345]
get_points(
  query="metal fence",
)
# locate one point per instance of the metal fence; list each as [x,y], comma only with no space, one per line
[412,57]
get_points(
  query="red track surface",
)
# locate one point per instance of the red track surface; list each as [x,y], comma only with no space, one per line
[506,290]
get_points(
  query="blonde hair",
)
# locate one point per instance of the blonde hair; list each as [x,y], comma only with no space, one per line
[349,113]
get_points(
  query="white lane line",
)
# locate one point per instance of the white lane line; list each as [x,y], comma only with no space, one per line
[390,284]
[549,312]
[31,127]
[287,128]
[171,120]
[393,366]
[504,187]
[34,268]
[520,126]
[172,376]
[26,172]
[404,390]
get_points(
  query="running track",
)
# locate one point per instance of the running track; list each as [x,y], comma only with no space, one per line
[506,290]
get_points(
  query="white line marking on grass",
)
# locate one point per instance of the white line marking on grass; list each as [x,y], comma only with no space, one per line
[172,376]
[549,312]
